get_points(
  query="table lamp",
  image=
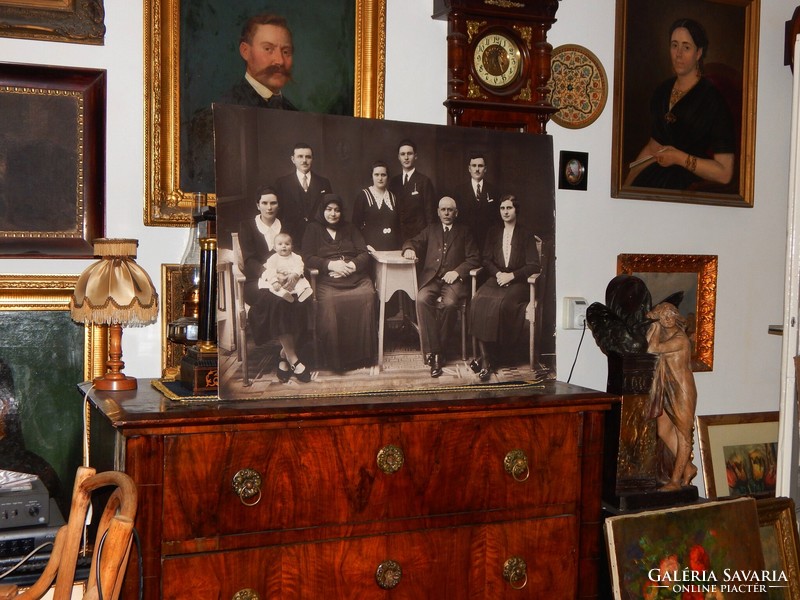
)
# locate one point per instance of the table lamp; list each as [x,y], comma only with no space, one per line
[114,291]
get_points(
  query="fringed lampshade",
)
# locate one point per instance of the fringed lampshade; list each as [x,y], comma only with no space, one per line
[117,292]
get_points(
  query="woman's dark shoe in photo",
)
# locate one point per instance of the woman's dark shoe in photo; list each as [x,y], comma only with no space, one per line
[303,376]
[283,371]
[475,365]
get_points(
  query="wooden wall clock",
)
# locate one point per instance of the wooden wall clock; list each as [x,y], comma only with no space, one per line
[498,62]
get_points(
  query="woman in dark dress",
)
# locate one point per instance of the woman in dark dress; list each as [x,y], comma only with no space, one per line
[497,312]
[270,316]
[692,131]
[346,321]
[375,211]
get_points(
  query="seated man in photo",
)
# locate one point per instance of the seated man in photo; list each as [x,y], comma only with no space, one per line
[449,253]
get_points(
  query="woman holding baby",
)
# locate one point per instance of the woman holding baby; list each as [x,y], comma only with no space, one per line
[272,315]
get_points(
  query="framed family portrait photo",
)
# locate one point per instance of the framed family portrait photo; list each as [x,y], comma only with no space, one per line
[694,277]
[685,88]
[361,324]
[192,58]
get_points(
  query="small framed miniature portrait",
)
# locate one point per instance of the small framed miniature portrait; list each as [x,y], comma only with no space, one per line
[573,170]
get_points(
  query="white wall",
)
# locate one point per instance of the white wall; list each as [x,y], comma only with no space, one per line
[592,228]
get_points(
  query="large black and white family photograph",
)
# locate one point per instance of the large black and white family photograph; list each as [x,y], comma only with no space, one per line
[378,256]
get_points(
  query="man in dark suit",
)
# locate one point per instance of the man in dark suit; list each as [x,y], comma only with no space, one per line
[300,193]
[450,253]
[266,47]
[416,198]
[479,202]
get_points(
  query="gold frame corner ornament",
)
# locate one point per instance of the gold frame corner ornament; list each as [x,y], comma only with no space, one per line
[705,266]
[165,203]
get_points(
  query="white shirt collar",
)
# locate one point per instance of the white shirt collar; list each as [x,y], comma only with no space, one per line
[268,231]
[262,90]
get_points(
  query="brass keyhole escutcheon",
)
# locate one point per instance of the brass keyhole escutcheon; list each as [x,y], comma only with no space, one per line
[388,574]
[515,572]
[390,459]
[516,465]
[247,485]
[246,594]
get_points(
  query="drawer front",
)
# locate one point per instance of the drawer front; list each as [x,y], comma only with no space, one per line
[306,477]
[528,559]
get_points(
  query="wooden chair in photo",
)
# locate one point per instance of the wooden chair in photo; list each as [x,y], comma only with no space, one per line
[111,548]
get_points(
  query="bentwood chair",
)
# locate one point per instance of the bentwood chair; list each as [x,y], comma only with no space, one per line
[111,549]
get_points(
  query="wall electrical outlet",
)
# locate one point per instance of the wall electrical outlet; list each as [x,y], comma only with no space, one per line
[574,312]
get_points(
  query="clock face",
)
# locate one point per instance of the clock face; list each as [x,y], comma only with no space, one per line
[497,60]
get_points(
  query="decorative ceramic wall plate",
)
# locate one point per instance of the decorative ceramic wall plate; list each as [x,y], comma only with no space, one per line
[579,86]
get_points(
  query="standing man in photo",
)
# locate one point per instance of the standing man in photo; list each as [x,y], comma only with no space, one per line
[416,198]
[448,252]
[479,202]
[301,192]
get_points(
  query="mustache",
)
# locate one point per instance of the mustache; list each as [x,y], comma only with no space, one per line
[277,69]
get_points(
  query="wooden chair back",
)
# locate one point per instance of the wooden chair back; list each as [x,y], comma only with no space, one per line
[112,542]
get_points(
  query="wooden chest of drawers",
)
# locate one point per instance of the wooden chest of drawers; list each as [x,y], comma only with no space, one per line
[480,494]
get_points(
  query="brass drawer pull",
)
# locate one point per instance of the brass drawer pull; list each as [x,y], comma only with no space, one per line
[246,594]
[390,459]
[515,572]
[388,574]
[516,465]
[247,485]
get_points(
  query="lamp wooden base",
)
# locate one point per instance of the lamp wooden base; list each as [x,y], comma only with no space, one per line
[199,369]
[120,383]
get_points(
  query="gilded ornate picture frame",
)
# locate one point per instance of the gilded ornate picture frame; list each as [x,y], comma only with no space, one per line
[643,64]
[77,21]
[780,544]
[166,203]
[694,275]
[738,452]
[52,148]
[46,354]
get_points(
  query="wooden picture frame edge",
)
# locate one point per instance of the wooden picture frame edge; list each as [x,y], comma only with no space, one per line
[88,87]
[78,21]
[779,513]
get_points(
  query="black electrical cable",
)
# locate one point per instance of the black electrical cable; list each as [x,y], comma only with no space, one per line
[138,545]
[583,333]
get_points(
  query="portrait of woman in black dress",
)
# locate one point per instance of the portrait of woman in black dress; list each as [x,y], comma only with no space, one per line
[497,311]
[375,211]
[346,319]
[693,136]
